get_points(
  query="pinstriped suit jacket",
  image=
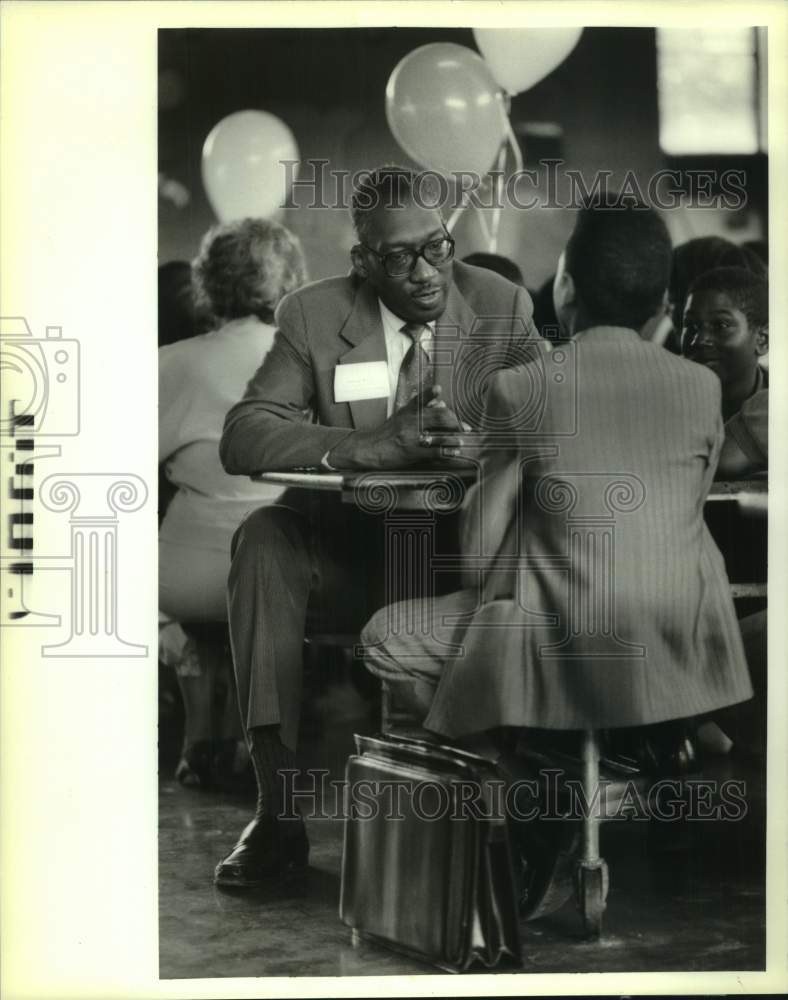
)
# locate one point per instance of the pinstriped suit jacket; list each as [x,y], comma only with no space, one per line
[620,611]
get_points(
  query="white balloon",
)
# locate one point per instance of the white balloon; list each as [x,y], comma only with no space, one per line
[521,57]
[243,169]
[445,109]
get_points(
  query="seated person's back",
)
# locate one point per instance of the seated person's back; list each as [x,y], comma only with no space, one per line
[620,612]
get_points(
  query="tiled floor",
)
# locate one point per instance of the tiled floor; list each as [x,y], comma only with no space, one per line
[701,910]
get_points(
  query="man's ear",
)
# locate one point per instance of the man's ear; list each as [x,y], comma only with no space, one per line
[657,328]
[359,264]
[762,341]
[564,291]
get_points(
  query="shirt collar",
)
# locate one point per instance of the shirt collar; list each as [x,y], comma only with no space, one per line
[394,323]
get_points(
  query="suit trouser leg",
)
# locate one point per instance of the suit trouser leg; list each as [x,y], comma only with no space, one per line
[270,580]
[412,659]
[294,569]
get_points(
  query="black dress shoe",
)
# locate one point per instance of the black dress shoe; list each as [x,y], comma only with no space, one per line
[546,853]
[669,757]
[268,850]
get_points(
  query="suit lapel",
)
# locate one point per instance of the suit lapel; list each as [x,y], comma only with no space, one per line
[451,329]
[363,330]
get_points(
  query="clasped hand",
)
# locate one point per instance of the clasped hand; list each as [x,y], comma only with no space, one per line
[419,429]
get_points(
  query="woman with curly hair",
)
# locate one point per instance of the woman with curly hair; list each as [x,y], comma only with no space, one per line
[242,271]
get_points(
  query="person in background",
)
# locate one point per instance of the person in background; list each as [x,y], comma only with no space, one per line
[242,271]
[179,319]
[745,451]
[500,265]
[690,261]
[744,455]
[726,328]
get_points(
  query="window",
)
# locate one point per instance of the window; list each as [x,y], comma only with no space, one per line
[712,90]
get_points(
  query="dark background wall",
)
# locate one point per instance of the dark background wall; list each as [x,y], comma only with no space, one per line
[328,85]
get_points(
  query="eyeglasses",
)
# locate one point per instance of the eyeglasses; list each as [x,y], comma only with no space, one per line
[399,262]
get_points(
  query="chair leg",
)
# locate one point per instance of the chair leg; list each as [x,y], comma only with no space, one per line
[591,874]
[385,708]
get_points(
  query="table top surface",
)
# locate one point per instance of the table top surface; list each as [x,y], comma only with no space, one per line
[419,479]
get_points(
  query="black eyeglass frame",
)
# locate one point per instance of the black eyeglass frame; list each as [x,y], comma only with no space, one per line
[415,254]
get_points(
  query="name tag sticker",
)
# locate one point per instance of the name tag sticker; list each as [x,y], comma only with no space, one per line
[363,380]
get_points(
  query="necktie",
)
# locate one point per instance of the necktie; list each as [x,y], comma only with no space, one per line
[415,373]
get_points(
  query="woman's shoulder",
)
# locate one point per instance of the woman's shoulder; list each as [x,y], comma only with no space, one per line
[244,328]
[203,349]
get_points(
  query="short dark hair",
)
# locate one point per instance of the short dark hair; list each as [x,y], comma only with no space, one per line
[701,254]
[619,259]
[748,291]
[495,262]
[391,186]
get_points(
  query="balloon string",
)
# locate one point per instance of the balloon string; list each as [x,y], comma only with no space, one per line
[496,218]
[483,224]
[512,139]
[518,153]
[455,215]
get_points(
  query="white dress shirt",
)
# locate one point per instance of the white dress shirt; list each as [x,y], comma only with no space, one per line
[397,346]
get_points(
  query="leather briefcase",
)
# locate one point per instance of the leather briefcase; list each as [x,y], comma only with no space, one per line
[424,871]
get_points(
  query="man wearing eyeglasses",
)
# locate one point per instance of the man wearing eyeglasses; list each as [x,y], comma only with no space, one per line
[361,376]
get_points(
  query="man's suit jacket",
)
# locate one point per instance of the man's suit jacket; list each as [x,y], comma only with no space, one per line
[288,417]
[621,614]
